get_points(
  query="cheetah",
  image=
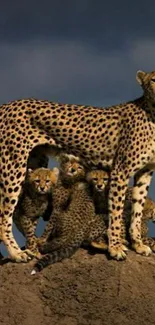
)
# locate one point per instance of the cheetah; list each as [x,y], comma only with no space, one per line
[33,204]
[121,137]
[35,201]
[78,225]
[99,181]
[70,172]
[148,214]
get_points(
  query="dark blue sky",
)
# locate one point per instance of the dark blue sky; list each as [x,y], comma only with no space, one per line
[80,51]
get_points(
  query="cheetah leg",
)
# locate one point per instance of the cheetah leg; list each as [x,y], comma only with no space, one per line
[141,184]
[7,236]
[126,224]
[48,232]
[124,233]
[126,218]
[9,199]
[98,235]
[117,191]
[28,227]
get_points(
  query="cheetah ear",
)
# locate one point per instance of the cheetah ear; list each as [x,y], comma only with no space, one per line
[63,158]
[56,171]
[30,170]
[73,158]
[140,76]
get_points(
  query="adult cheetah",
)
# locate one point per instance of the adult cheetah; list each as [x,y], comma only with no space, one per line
[120,136]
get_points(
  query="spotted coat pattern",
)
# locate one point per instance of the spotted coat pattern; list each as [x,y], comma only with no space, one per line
[77,225]
[121,136]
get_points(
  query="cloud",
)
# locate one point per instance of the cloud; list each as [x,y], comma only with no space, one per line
[72,71]
[143,53]
[100,23]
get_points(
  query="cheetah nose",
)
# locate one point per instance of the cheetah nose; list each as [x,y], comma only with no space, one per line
[42,188]
[72,170]
[99,185]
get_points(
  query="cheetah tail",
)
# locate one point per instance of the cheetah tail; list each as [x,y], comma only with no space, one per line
[54,257]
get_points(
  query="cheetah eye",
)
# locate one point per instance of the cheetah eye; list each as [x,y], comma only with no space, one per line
[37,181]
[153,79]
[47,181]
[95,179]
[80,167]
[105,179]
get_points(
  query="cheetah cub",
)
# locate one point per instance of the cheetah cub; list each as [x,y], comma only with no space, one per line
[148,214]
[34,202]
[70,172]
[78,225]
[99,181]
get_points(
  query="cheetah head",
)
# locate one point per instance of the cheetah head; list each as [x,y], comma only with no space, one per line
[71,168]
[42,180]
[147,82]
[98,179]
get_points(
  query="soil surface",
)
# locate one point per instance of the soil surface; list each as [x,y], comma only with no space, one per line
[87,289]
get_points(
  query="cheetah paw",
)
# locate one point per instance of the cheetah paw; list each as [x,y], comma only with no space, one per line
[118,252]
[35,253]
[142,249]
[23,256]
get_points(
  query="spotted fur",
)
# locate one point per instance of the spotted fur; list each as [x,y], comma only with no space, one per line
[70,172]
[120,136]
[148,215]
[99,180]
[35,201]
[78,225]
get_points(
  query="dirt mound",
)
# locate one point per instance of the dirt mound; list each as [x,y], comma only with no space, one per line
[84,290]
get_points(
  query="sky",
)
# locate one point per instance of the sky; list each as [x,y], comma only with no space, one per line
[81,51]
